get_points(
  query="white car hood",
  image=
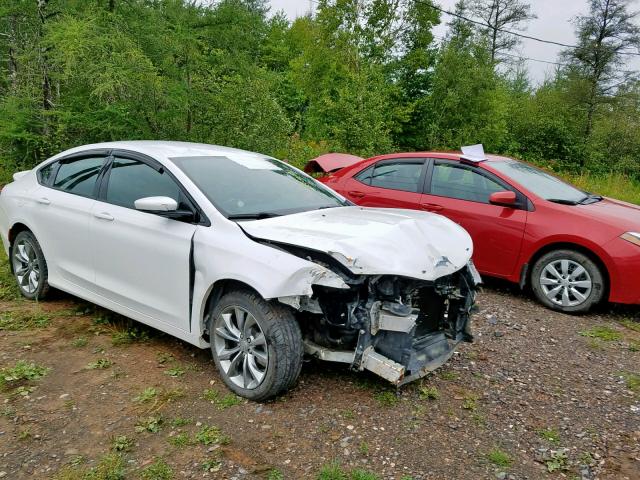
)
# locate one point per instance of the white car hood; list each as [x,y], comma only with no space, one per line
[374,241]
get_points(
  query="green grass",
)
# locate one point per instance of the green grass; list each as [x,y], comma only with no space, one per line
[602,332]
[174,372]
[211,436]
[121,443]
[79,342]
[429,393]
[550,435]
[158,470]
[275,474]
[149,424]
[20,320]
[110,467]
[386,398]
[613,185]
[146,395]
[222,403]
[499,458]
[632,380]
[8,287]
[334,471]
[180,440]
[20,372]
[99,364]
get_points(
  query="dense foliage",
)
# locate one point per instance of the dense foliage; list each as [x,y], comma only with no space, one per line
[363,76]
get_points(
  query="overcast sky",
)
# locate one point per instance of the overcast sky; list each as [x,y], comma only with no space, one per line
[553,23]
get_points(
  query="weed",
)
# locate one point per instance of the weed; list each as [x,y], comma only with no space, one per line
[158,470]
[631,324]
[211,465]
[99,364]
[8,411]
[348,414]
[333,471]
[128,336]
[479,419]
[149,424]
[634,346]
[25,435]
[363,448]
[211,436]
[449,375]
[558,462]
[80,342]
[111,467]
[359,474]
[146,395]
[174,394]
[602,332]
[499,458]
[180,422]
[632,380]
[164,358]
[470,402]
[174,372]
[275,474]
[8,286]
[121,443]
[17,320]
[429,393]
[213,396]
[550,435]
[387,398]
[21,371]
[180,440]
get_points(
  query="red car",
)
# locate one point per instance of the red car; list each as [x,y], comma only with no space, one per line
[573,248]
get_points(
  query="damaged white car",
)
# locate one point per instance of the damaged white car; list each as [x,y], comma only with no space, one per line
[243,254]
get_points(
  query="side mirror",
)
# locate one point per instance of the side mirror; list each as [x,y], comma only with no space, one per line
[156,204]
[165,207]
[504,199]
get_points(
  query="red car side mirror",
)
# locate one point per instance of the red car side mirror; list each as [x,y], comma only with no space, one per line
[504,199]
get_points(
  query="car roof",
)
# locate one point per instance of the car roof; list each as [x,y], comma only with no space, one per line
[437,154]
[161,149]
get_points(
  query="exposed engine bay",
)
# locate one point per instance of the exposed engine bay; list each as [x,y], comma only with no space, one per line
[397,327]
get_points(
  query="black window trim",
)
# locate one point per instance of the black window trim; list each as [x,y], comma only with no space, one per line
[523,202]
[417,160]
[72,158]
[103,180]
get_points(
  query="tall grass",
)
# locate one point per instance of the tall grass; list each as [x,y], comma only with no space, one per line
[613,185]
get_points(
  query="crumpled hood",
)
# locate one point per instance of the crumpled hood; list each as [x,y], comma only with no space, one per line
[374,241]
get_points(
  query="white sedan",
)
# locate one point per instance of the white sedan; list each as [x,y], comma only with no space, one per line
[244,254]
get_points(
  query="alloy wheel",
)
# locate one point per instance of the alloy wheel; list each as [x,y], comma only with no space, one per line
[241,347]
[26,266]
[566,283]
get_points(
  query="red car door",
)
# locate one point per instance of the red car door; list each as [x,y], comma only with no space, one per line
[461,192]
[395,183]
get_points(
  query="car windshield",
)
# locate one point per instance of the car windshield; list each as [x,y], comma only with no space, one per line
[541,183]
[244,186]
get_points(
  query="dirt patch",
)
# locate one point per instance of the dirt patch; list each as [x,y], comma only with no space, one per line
[538,395]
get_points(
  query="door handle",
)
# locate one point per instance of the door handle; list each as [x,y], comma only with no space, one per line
[357,194]
[104,216]
[44,201]
[432,207]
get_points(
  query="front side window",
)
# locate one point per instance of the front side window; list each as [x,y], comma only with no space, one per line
[131,180]
[454,181]
[79,176]
[403,176]
[251,186]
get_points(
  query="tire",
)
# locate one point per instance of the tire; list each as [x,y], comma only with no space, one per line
[567,281]
[29,266]
[267,342]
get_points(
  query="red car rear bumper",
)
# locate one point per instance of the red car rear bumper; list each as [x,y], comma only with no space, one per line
[624,271]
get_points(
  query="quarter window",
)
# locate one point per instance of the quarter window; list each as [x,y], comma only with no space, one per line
[131,180]
[44,174]
[403,176]
[79,176]
[454,181]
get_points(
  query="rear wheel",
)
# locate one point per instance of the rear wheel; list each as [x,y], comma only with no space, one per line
[256,345]
[567,281]
[29,266]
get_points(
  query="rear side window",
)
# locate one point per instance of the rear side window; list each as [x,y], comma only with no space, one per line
[403,176]
[131,180]
[462,183]
[79,176]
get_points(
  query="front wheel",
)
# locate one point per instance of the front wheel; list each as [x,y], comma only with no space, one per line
[256,345]
[567,281]
[29,266]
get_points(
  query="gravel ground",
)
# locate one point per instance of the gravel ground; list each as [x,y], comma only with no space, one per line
[537,395]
